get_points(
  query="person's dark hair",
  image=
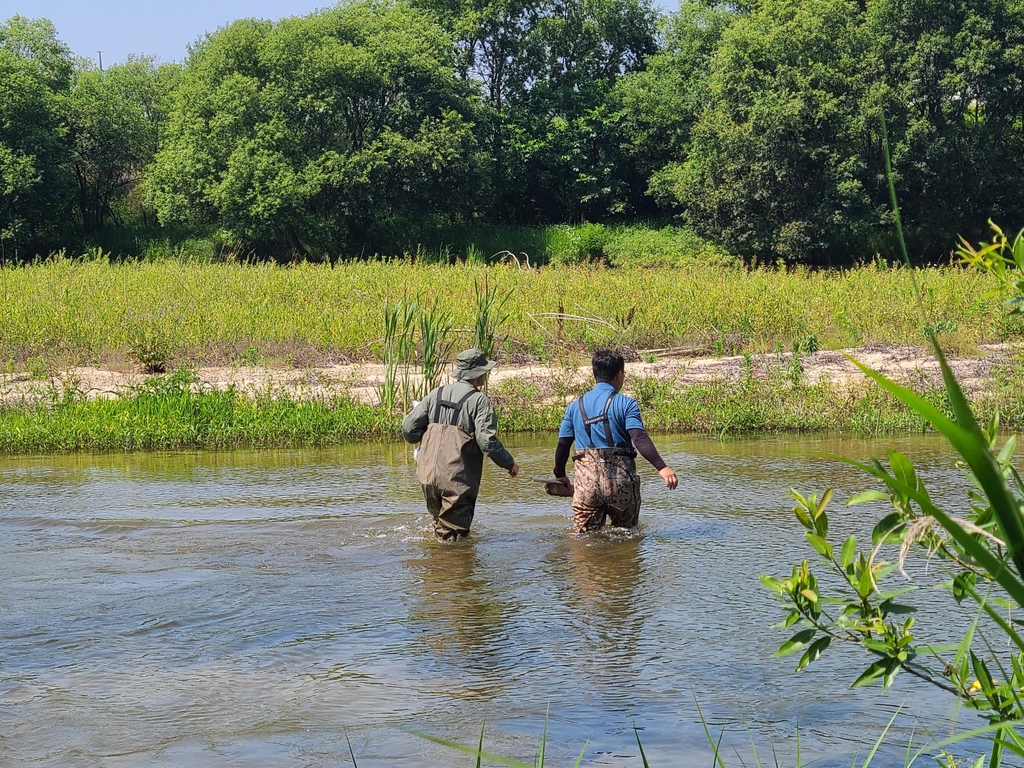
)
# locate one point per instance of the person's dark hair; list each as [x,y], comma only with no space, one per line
[606,364]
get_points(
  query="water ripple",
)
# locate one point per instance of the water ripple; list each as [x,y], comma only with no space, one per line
[253,608]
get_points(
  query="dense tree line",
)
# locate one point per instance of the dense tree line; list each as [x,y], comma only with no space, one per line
[756,124]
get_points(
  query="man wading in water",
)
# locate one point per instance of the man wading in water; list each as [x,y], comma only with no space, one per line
[606,425]
[457,425]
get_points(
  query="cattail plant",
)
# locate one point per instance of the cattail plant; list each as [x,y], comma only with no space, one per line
[488,315]
[437,345]
[399,350]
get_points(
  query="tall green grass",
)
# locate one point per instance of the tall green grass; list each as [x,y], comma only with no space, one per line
[560,244]
[82,312]
[174,412]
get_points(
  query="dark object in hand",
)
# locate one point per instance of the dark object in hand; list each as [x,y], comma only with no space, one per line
[554,487]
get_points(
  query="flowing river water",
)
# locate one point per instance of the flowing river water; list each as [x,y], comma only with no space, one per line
[266,608]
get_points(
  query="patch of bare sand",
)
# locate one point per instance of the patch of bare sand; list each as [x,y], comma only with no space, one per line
[363,380]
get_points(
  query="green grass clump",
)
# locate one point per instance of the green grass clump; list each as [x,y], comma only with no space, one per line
[774,405]
[173,412]
[666,247]
[176,412]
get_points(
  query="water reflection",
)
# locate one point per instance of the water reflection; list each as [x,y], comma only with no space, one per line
[602,576]
[459,618]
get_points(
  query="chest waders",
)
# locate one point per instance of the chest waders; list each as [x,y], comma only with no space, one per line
[449,468]
[605,481]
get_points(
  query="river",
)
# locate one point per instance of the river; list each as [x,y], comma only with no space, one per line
[268,608]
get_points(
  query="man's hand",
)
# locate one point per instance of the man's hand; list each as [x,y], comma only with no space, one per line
[514,471]
[565,481]
[671,481]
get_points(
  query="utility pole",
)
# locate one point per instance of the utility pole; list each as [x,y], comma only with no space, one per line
[101,60]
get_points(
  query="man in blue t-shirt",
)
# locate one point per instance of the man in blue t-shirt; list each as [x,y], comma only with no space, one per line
[608,431]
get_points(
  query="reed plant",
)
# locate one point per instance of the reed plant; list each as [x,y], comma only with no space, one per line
[490,314]
[437,342]
[398,353]
[718,756]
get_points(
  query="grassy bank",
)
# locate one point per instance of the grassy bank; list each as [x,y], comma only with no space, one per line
[68,311]
[170,412]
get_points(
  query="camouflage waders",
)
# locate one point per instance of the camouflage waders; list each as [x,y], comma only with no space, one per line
[449,468]
[605,483]
[605,480]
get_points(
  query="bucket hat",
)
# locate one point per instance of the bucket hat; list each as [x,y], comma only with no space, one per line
[470,364]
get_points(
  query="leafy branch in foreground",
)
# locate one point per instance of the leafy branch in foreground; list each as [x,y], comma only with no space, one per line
[981,549]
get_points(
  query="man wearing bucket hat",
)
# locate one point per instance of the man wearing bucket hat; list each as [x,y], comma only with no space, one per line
[455,425]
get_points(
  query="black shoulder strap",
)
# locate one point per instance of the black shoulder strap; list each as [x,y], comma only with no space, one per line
[456,407]
[437,405]
[587,421]
[607,421]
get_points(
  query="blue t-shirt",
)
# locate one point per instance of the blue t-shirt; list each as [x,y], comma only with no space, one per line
[623,415]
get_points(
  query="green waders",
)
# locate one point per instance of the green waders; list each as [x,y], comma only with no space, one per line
[449,467]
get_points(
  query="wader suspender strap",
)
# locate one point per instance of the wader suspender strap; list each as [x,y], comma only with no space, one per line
[456,407]
[597,419]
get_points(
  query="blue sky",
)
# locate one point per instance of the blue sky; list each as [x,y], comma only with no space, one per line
[151,27]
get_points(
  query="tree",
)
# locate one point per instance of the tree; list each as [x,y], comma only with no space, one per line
[655,108]
[777,163]
[35,72]
[116,116]
[954,94]
[545,69]
[312,131]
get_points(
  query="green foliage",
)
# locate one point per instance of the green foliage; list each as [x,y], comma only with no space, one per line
[398,354]
[778,160]
[117,115]
[755,404]
[782,163]
[301,134]
[490,315]
[150,346]
[76,309]
[439,129]
[1004,260]
[666,247]
[544,70]
[175,411]
[984,547]
[955,123]
[809,344]
[656,107]
[650,392]
[583,244]
[438,345]
[35,75]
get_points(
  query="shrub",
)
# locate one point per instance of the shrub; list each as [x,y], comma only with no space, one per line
[667,247]
[577,245]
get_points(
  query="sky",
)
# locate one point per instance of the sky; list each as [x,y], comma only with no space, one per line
[159,28]
[152,27]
